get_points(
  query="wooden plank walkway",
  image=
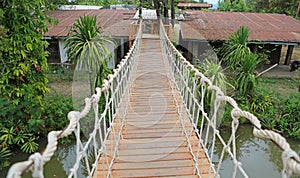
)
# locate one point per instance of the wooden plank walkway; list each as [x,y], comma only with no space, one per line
[153,144]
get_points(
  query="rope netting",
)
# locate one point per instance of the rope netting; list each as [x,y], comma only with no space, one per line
[186,79]
[107,124]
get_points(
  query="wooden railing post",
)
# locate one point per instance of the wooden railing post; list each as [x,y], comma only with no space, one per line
[133,30]
[168,29]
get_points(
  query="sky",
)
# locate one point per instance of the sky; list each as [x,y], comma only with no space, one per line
[212,1]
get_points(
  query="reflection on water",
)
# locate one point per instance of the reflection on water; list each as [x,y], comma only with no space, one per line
[58,166]
[260,158]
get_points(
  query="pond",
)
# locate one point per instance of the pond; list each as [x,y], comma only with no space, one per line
[260,158]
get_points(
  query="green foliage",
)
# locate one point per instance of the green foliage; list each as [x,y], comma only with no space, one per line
[147,4]
[5,154]
[23,80]
[88,48]
[54,112]
[245,79]
[274,6]
[262,101]
[241,61]
[264,6]
[235,49]
[30,146]
[290,121]
[212,69]
[265,105]
[234,6]
[12,138]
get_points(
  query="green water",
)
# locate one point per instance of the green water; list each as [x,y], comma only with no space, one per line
[260,158]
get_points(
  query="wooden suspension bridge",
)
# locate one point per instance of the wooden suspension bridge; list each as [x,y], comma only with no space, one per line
[153,143]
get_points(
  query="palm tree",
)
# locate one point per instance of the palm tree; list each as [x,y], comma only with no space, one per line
[235,49]
[245,79]
[88,48]
[242,61]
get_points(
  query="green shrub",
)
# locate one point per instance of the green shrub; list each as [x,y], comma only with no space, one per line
[290,121]
[4,157]
[245,79]
[54,113]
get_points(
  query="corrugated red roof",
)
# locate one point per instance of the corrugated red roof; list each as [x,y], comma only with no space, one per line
[219,25]
[106,19]
[194,5]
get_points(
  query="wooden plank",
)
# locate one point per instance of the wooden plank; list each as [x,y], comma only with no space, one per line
[151,135]
[173,129]
[152,172]
[166,150]
[147,126]
[151,145]
[154,164]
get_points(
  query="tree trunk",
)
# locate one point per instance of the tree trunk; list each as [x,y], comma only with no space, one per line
[157,7]
[173,12]
[166,14]
[298,10]
[140,8]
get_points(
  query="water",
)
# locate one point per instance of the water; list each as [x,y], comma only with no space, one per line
[260,158]
[58,166]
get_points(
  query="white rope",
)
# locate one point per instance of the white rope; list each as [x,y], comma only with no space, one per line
[181,69]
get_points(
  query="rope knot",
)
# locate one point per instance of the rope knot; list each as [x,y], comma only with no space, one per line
[37,160]
[235,115]
[286,156]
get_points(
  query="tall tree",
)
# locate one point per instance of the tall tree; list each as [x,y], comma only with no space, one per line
[298,9]
[88,48]
[166,13]
[156,4]
[234,5]
[172,12]
[275,6]
[140,8]
[23,80]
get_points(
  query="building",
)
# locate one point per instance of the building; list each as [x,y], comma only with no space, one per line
[199,31]
[270,31]
[114,22]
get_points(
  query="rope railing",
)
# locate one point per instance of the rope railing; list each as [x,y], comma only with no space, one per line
[107,124]
[186,79]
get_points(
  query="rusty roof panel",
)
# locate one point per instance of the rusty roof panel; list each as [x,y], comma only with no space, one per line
[105,18]
[119,29]
[219,25]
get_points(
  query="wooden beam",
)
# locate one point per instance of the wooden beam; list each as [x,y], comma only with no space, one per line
[288,56]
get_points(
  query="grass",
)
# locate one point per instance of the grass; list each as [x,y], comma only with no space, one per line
[283,87]
[60,80]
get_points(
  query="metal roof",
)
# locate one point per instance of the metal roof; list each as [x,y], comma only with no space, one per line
[106,19]
[219,25]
